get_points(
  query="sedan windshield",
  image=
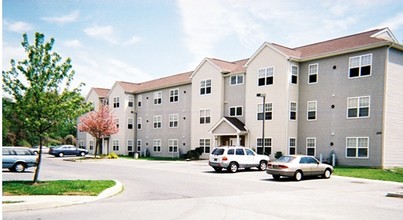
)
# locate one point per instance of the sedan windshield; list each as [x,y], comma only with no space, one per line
[285,159]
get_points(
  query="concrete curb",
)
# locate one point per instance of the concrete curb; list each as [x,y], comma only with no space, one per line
[20,203]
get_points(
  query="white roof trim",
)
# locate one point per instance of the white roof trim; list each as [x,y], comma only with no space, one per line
[202,63]
[265,44]
[389,35]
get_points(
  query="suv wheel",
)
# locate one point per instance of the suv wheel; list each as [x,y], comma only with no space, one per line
[262,165]
[233,167]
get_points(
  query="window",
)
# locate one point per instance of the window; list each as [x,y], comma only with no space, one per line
[311,110]
[265,76]
[139,100]
[138,145]
[115,144]
[205,87]
[139,123]
[267,146]
[293,111]
[157,98]
[358,107]
[174,95]
[116,102]
[357,147]
[294,75]
[311,146]
[81,144]
[173,145]
[130,122]
[157,121]
[129,145]
[235,111]
[239,152]
[91,145]
[360,66]
[205,116]
[292,146]
[313,73]
[236,80]
[157,145]
[204,144]
[173,120]
[130,102]
[116,122]
[268,111]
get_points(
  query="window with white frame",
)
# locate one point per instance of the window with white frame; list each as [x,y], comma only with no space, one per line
[205,87]
[173,145]
[92,145]
[130,100]
[360,66]
[81,144]
[116,122]
[130,123]
[293,111]
[116,102]
[265,76]
[129,145]
[158,98]
[311,110]
[139,145]
[236,80]
[139,123]
[358,107]
[115,145]
[157,145]
[292,146]
[139,100]
[294,75]
[313,70]
[157,121]
[266,149]
[204,144]
[173,120]
[311,146]
[357,147]
[268,111]
[235,111]
[174,95]
[205,116]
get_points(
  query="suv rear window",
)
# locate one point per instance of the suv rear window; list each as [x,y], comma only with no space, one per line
[218,151]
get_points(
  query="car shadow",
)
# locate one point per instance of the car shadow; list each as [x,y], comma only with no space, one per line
[291,179]
[224,171]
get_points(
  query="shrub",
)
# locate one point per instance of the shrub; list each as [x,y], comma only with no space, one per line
[278,154]
[194,154]
[112,155]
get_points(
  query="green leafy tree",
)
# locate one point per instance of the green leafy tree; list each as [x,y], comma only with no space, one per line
[40,88]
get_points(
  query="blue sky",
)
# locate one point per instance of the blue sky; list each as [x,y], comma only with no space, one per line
[139,40]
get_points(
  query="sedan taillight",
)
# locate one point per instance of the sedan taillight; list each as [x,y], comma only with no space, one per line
[282,167]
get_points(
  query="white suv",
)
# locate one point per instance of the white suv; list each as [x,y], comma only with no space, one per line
[232,158]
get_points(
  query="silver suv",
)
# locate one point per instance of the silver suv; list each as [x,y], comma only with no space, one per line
[18,158]
[232,158]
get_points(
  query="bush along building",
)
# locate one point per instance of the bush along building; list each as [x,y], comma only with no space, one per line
[339,97]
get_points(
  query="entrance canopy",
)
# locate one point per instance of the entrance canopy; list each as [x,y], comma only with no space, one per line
[229,127]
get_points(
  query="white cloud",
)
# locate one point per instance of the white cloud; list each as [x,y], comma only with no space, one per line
[394,23]
[15,52]
[72,43]
[18,26]
[133,40]
[73,16]
[106,33]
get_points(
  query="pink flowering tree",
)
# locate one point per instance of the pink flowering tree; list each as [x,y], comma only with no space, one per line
[98,124]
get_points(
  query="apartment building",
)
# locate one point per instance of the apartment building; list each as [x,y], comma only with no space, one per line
[340,96]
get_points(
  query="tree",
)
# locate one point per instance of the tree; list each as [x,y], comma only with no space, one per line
[40,89]
[98,124]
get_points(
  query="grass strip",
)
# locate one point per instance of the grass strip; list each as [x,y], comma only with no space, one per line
[395,174]
[57,187]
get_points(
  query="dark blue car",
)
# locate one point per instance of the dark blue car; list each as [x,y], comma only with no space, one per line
[67,150]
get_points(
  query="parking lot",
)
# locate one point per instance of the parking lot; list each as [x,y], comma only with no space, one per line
[192,190]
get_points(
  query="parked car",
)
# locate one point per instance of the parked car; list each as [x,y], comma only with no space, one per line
[35,149]
[232,158]
[298,166]
[18,158]
[67,150]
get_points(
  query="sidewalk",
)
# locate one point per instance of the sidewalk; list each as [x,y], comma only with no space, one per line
[19,203]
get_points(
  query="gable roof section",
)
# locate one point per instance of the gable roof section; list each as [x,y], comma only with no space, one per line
[235,123]
[165,82]
[127,86]
[101,92]
[223,66]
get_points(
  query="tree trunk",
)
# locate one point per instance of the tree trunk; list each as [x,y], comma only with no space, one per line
[38,161]
[97,140]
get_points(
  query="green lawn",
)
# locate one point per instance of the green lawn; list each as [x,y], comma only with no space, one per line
[395,175]
[57,187]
